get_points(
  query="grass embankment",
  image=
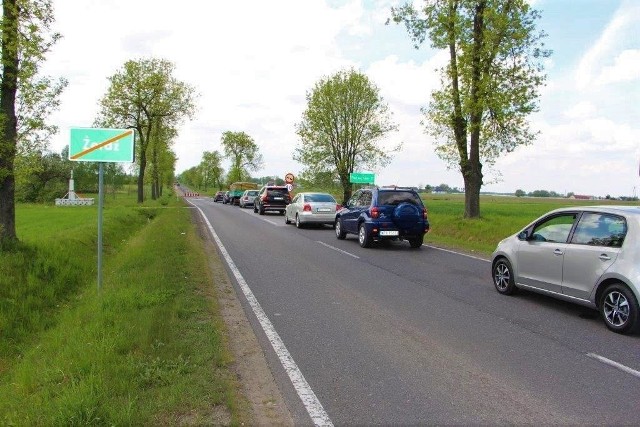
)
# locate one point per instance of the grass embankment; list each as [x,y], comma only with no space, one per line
[500,217]
[148,349]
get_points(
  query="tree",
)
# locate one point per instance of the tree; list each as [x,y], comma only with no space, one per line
[244,154]
[145,96]
[342,126]
[489,86]
[25,101]
[211,169]
[520,193]
[161,156]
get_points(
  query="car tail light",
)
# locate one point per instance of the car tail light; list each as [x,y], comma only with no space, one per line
[424,213]
[375,213]
[306,207]
[338,207]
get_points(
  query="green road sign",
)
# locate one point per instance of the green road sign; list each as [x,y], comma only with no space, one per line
[101,145]
[362,178]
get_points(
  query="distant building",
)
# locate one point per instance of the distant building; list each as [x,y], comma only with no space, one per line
[581,197]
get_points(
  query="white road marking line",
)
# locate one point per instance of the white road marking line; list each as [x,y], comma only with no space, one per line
[309,399]
[261,218]
[337,249]
[457,253]
[617,365]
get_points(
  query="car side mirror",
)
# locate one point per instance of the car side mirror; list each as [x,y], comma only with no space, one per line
[524,235]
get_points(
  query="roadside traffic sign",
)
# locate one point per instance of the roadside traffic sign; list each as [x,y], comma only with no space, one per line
[101,145]
[362,178]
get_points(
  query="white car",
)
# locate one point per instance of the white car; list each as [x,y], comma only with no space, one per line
[586,255]
[248,198]
[311,208]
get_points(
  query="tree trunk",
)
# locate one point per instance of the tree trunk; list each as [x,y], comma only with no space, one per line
[8,122]
[143,165]
[347,189]
[472,170]
[472,184]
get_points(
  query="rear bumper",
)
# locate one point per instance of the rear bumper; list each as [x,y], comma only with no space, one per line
[387,231]
[273,207]
[315,218]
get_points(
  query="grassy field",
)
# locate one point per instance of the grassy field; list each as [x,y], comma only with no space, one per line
[500,217]
[150,347]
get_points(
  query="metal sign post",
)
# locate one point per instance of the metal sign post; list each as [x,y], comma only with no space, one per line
[100,204]
[101,145]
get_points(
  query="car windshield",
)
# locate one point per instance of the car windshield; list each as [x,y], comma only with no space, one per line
[395,198]
[277,192]
[319,198]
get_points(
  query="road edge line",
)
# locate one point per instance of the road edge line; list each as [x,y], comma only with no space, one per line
[309,399]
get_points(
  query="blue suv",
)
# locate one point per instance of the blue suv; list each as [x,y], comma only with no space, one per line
[386,213]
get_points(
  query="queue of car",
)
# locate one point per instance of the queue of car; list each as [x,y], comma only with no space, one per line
[585,255]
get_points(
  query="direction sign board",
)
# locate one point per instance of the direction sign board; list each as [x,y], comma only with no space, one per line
[362,178]
[101,145]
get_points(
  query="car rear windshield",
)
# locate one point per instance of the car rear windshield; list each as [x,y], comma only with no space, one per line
[277,192]
[319,198]
[252,193]
[395,198]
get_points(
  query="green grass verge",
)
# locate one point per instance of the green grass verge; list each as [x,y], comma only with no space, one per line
[500,217]
[148,349]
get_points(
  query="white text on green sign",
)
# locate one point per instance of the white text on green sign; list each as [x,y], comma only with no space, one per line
[101,145]
[362,178]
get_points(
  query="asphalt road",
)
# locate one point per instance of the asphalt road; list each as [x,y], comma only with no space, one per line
[392,335]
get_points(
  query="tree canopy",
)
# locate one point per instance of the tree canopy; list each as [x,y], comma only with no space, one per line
[244,154]
[489,85]
[144,95]
[26,97]
[342,127]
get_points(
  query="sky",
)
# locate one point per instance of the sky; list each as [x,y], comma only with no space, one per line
[252,62]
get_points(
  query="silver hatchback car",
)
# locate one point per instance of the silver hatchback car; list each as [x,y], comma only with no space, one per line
[587,255]
[311,208]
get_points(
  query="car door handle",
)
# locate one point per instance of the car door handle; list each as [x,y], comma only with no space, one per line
[604,257]
[557,252]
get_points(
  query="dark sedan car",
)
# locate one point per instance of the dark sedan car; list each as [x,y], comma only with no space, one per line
[272,198]
[219,196]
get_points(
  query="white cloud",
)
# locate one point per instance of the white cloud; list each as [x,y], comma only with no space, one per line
[626,67]
[581,110]
[600,63]
[253,61]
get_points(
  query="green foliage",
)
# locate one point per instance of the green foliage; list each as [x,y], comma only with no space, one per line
[145,96]
[489,86]
[211,170]
[147,350]
[345,119]
[244,154]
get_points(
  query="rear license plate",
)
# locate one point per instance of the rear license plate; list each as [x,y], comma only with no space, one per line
[278,198]
[389,233]
[324,210]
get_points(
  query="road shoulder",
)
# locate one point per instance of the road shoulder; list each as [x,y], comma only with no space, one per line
[250,365]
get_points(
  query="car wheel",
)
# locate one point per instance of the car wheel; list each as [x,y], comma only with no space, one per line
[298,224]
[363,237]
[337,226]
[286,218]
[416,242]
[255,208]
[503,277]
[619,308]
[261,210]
